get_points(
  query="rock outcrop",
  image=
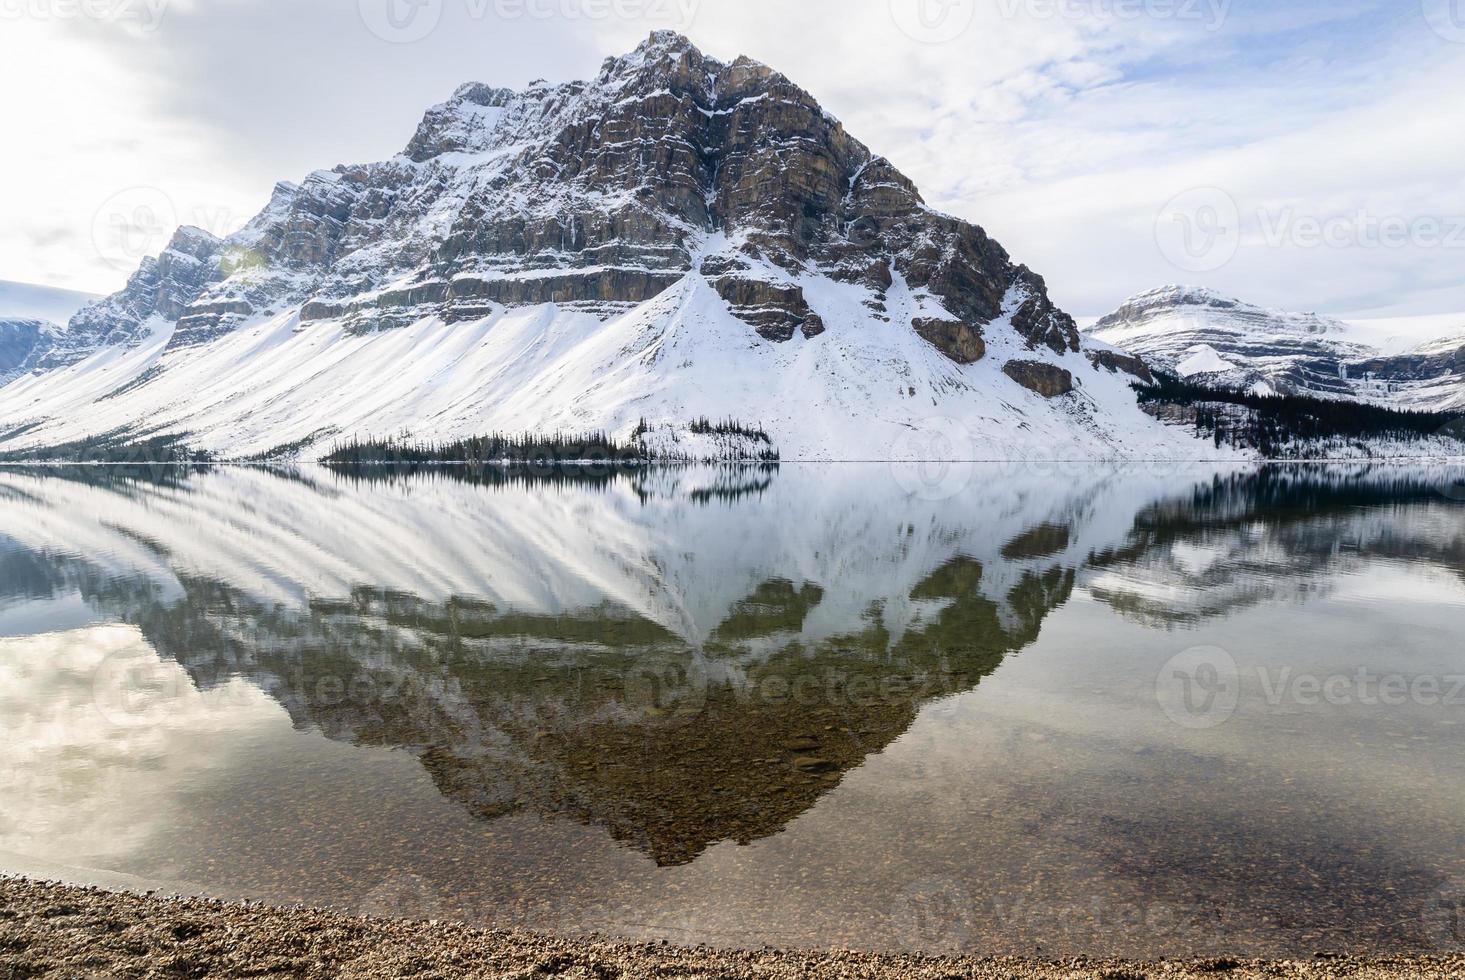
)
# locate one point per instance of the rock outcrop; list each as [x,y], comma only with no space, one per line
[958,341]
[1112,360]
[1048,380]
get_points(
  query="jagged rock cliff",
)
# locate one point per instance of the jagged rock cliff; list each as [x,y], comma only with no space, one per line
[598,195]
[23,342]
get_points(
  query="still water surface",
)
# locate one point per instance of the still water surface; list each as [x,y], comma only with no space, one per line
[1141,711]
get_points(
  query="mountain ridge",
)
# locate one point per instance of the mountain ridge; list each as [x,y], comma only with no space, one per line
[1222,341]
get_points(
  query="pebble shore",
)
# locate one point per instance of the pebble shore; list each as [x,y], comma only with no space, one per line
[50,930]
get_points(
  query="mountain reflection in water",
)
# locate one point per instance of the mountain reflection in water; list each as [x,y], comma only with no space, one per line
[676,658]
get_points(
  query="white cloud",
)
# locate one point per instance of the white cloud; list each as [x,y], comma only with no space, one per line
[1062,135]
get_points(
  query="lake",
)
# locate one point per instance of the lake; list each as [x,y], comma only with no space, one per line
[1143,711]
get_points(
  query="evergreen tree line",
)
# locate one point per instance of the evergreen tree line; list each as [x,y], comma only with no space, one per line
[495,448]
[560,449]
[1272,423]
[728,427]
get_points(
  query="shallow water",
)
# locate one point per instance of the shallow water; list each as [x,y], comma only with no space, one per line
[1139,711]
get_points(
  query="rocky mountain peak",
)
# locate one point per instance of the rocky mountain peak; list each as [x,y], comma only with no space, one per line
[600,195]
[1198,332]
[1173,298]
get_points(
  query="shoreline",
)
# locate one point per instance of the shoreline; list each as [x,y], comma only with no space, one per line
[55,930]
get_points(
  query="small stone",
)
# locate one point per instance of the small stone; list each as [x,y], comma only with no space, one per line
[813,764]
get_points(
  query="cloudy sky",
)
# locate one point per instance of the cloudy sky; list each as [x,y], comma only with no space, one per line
[1299,153]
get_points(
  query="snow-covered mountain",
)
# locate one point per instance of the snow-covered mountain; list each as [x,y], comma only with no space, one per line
[674,238]
[1225,342]
[1431,375]
[30,319]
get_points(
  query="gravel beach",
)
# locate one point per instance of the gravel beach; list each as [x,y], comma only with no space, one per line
[50,930]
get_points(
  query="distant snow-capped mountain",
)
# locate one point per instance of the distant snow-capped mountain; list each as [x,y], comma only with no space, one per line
[30,323]
[27,301]
[675,238]
[1205,336]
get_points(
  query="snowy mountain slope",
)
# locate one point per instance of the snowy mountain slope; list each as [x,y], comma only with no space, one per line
[1399,335]
[1195,331]
[1225,342]
[673,239]
[680,356]
[1430,375]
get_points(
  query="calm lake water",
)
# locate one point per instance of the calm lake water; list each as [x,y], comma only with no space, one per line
[1109,710]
